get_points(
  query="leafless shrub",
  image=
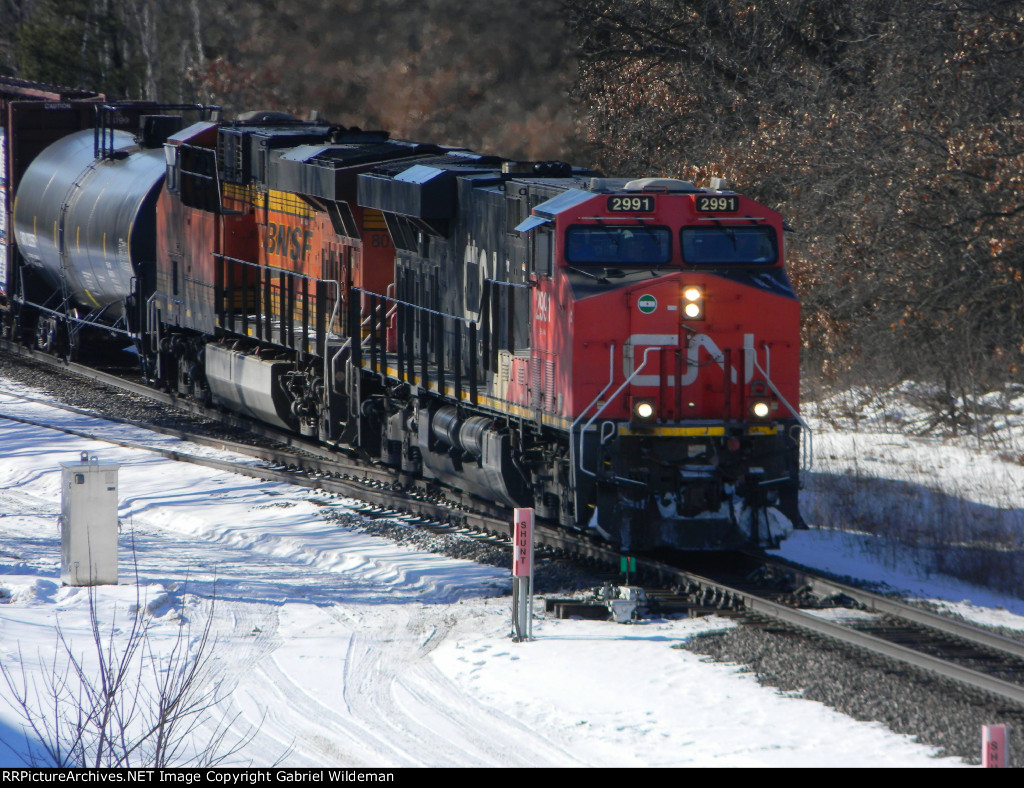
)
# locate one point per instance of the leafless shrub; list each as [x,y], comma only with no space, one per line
[135,707]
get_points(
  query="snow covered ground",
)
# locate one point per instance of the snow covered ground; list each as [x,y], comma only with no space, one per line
[904,499]
[341,648]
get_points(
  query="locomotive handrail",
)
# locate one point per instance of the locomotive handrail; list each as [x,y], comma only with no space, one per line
[572,427]
[618,391]
[807,437]
[388,313]
[400,302]
[507,284]
[288,272]
[153,322]
[332,322]
[457,320]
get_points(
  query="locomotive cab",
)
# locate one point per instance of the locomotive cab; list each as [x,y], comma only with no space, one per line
[675,328]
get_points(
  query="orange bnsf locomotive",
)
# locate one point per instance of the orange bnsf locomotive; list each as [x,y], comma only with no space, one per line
[620,354]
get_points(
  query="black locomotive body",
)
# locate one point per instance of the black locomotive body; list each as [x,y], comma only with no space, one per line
[621,355]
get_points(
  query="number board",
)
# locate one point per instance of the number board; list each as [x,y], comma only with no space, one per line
[715,203]
[621,204]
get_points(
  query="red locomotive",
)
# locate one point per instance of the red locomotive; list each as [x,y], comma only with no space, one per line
[620,354]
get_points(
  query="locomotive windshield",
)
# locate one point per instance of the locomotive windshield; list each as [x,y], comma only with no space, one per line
[618,245]
[721,245]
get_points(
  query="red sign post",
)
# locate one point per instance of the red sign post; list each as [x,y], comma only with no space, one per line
[995,753]
[522,557]
[522,574]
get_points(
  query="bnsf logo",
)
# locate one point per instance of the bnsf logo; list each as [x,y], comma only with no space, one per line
[292,242]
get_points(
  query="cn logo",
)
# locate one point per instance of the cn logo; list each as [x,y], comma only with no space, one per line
[700,350]
[543,307]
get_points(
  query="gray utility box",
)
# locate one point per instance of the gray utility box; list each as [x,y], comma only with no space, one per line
[88,524]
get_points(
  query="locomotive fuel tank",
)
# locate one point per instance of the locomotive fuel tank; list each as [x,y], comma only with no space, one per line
[88,224]
[472,455]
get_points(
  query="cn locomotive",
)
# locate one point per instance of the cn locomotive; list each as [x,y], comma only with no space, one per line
[620,354]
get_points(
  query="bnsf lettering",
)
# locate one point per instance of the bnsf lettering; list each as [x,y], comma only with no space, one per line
[291,242]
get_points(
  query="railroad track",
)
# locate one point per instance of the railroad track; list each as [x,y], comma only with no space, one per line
[311,465]
[374,487]
[938,645]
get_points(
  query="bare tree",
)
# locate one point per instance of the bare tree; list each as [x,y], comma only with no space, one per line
[134,707]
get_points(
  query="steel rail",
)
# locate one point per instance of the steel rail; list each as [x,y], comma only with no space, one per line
[935,665]
[414,503]
[170,454]
[172,400]
[819,626]
[380,495]
[901,610]
[309,464]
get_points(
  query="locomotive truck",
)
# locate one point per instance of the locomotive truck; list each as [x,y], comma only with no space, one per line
[620,354]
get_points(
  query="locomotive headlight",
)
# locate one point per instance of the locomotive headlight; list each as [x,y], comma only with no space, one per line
[693,303]
[643,410]
[761,409]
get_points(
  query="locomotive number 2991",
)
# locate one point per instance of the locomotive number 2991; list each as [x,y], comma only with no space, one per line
[714,204]
[620,204]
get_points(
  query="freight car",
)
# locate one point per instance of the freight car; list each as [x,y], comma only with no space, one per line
[620,354]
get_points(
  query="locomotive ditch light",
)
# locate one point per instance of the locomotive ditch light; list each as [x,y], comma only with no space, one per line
[760,409]
[643,410]
[693,302]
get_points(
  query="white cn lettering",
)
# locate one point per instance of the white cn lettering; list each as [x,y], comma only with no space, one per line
[700,346]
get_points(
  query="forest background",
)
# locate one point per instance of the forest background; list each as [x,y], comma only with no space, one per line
[889,133]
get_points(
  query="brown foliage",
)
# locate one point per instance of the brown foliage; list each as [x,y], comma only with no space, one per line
[890,134]
[491,77]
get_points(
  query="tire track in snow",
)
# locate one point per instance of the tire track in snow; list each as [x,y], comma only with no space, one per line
[394,688]
[367,695]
